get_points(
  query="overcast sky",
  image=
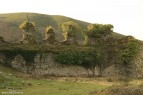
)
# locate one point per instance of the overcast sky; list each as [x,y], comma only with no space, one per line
[125,15]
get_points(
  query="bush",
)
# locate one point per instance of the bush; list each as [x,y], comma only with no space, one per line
[128,48]
[68,58]
[10,54]
[86,59]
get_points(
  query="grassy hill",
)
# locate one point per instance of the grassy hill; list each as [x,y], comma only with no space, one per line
[9,24]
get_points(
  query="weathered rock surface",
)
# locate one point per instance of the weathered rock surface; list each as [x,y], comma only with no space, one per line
[47,66]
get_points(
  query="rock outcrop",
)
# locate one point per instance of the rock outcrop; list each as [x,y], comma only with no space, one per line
[44,64]
[47,66]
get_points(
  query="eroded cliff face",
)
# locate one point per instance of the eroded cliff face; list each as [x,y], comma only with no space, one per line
[45,65]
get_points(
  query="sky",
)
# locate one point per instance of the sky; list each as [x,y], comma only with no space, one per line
[125,15]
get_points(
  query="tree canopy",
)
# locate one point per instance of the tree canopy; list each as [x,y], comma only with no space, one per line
[70,28]
[27,26]
[98,30]
[50,35]
[128,47]
[49,29]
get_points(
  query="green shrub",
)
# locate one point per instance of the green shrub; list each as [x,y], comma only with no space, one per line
[10,54]
[128,48]
[86,59]
[68,58]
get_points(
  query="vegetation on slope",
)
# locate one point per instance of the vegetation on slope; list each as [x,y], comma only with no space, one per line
[12,81]
[102,49]
[9,24]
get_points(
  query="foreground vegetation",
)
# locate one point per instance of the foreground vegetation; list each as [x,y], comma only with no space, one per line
[77,86]
[55,87]
[12,81]
[101,55]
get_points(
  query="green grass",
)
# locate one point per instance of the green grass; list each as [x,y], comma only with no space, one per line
[28,85]
[51,86]
[68,86]
[55,87]
[10,78]
[7,82]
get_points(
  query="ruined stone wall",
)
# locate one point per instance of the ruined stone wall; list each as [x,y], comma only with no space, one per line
[47,66]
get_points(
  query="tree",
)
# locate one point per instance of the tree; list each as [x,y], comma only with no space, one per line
[70,30]
[121,51]
[100,36]
[68,58]
[86,59]
[128,48]
[50,35]
[108,55]
[98,32]
[27,31]
[89,60]
[27,26]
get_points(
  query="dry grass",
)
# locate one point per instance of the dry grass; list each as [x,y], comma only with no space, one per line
[122,86]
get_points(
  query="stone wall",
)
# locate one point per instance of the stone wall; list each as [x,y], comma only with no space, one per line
[47,66]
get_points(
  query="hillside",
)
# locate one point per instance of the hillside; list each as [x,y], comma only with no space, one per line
[9,24]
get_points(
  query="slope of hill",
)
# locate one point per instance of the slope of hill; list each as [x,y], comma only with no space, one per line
[9,24]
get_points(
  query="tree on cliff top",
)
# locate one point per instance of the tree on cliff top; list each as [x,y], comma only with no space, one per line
[27,31]
[27,26]
[99,30]
[71,30]
[50,35]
